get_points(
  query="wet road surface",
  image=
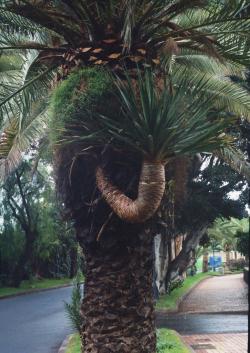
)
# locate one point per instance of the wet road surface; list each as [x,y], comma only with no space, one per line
[36,323]
[187,324]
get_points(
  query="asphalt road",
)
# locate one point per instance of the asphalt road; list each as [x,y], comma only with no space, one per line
[187,324]
[36,323]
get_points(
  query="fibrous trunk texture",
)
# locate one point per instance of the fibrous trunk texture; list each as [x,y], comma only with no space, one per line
[161,261]
[150,192]
[118,306]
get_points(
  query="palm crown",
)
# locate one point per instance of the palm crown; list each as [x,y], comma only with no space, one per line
[196,44]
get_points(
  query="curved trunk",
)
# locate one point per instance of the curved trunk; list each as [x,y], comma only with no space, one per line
[150,192]
[118,306]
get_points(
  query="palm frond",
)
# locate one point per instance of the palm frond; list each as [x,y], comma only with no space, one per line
[18,97]
[229,96]
[15,140]
[235,159]
[48,16]
[11,23]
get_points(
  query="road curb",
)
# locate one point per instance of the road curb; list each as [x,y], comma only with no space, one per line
[240,312]
[184,343]
[35,290]
[64,344]
[176,310]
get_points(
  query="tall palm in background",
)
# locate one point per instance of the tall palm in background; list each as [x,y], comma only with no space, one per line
[164,68]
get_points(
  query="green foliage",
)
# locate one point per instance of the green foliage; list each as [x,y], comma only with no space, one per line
[74,345]
[159,125]
[207,39]
[209,197]
[162,346]
[237,264]
[75,97]
[33,284]
[73,308]
[168,341]
[224,232]
[177,283]
[54,251]
[11,247]
[170,301]
[242,243]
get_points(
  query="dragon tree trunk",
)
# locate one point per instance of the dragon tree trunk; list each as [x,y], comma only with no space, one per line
[150,192]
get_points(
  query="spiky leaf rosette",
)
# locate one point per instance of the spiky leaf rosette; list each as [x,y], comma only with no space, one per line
[155,119]
[150,118]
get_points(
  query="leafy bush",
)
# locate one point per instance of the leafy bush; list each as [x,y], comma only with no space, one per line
[243,242]
[162,346]
[176,283]
[238,264]
[73,308]
[75,96]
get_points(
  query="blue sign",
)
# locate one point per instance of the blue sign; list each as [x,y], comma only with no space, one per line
[215,261]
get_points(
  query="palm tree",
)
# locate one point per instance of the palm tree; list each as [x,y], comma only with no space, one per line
[223,232]
[157,78]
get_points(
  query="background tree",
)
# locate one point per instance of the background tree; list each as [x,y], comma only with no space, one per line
[34,242]
[20,198]
[242,244]
[208,196]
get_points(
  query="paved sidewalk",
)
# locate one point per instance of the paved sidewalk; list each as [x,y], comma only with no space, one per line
[218,294]
[218,343]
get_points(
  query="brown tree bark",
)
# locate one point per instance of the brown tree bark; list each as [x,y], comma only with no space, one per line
[118,306]
[150,192]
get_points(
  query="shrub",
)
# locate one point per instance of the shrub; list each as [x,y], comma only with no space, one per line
[238,264]
[162,346]
[176,283]
[75,97]
[73,308]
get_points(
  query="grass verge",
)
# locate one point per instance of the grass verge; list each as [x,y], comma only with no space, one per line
[34,284]
[170,301]
[167,342]
[74,345]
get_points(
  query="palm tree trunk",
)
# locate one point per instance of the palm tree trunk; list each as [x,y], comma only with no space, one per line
[118,307]
[150,192]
